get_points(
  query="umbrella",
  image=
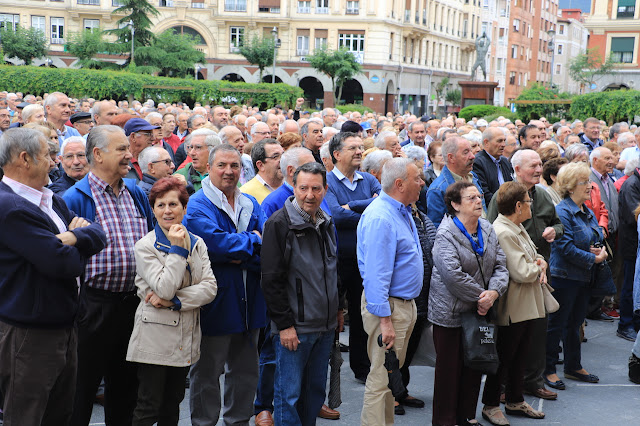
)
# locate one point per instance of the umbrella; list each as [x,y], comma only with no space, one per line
[335,361]
[392,364]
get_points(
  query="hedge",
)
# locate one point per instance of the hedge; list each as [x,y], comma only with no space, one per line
[481,111]
[81,83]
[611,106]
[353,108]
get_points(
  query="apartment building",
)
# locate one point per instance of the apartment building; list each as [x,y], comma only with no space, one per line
[570,41]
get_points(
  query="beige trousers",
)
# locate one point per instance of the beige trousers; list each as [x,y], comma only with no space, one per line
[378,401]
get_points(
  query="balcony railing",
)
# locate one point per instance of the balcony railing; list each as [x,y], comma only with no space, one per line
[322,10]
[166,3]
[197,5]
[56,40]
[91,2]
[303,52]
[353,11]
[235,6]
[304,9]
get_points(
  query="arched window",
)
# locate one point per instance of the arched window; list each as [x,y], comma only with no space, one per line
[183,29]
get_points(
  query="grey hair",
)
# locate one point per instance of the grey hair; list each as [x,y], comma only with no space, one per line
[327,111]
[518,157]
[17,140]
[575,150]
[474,136]
[450,146]
[338,124]
[415,152]
[575,123]
[97,107]
[324,151]
[328,132]
[52,99]
[291,157]
[99,137]
[622,137]
[284,124]
[222,134]
[254,127]
[375,160]
[191,119]
[72,139]
[490,133]
[393,169]
[148,155]
[631,165]
[415,123]
[616,128]
[380,141]
[30,110]
[596,153]
[203,132]
[152,115]
[225,147]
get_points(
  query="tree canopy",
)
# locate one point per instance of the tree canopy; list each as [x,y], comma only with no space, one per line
[339,65]
[171,54]
[85,45]
[589,66]
[138,12]
[258,51]
[23,43]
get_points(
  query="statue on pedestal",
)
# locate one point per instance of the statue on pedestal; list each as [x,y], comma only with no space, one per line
[482,47]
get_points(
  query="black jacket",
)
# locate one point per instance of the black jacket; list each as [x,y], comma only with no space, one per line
[628,200]
[61,184]
[487,173]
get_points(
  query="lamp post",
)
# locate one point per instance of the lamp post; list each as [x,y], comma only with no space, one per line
[274,31]
[133,32]
[196,69]
[552,48]
[49,62]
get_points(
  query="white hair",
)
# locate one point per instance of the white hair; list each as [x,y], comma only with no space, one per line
[324,151]
[395,168]
[30,110]
[327,132]
[415,152]
[631,166]
[72,139]
[375,160]
[518,156]
[148,155]
[291,157]
[380,141]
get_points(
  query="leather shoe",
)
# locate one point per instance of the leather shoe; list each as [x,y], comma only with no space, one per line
[328,413]
[543,394]
[558,384]
[264,418]
[398,410]
[600,316]
[412,402]
[588,378]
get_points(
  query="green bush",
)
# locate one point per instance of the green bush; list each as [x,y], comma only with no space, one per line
[481,111]
[509,115]
[611,106]
[538,92]
[81,83]
[353,108]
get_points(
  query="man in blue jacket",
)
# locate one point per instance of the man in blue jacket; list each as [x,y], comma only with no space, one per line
[43,248]
[108,293]
[230,223]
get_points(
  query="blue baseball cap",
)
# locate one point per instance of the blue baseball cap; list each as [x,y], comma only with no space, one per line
[365,125]
[137,125]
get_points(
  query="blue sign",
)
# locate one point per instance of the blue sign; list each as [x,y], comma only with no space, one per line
[375,79]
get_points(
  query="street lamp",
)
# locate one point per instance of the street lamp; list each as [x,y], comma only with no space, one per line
[552,49]
[133,32]
[274,31]
[49,62]
[197,69]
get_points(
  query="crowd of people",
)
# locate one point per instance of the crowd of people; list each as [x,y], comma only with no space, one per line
[147,247]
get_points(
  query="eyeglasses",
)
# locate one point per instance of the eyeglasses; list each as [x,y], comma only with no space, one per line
[473,197]
[274,156]
[584,182]
[83,122]
[147,134]
[72,156]
[527,201]
[168,161]
[195,147]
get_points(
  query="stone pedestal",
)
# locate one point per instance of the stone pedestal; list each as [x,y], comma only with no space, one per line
[477,92]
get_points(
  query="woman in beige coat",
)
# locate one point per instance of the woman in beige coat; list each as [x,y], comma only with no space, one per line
[522,303]
[174,279]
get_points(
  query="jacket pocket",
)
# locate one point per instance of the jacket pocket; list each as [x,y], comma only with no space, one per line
[300,300]
[160,331]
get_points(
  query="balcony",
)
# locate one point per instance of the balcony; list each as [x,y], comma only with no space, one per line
[353,11]
[90,2]
[322,10]
[235,6]
[304,9]
[197,5]
[302,52]
[56,40]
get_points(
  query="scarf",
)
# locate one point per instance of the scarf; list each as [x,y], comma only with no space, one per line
[477,247]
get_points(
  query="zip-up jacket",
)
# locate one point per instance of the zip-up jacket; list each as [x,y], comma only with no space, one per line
[299,272]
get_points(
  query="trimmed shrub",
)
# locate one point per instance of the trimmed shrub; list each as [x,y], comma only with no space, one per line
[538,92]
[611,106]
[482,111]
[353,108]
[509,115]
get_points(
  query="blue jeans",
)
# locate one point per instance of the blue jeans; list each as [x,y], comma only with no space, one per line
[301,378]
[627,318]
[264,393]
[564,324]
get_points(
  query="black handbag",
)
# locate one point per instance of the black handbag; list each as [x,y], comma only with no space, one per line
[602,280]
[479,340]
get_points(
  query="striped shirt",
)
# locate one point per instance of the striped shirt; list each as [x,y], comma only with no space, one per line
[114,268]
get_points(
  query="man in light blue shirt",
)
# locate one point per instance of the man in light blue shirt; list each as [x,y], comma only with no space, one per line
[390,262]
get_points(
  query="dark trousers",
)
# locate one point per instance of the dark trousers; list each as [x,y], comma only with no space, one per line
[266,379]
[160,391]
[565,324]
[513,345]
[412,347]
[37,375]
[456,387]
[535,358]
[627,319]
[351,279]
[105,323]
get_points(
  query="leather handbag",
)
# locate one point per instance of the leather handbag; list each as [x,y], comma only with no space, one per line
[551,305]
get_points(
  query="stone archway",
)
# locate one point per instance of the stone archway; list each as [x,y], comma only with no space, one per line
[352,92]
[267,79]
[233,77]
[390,98]
[313,92]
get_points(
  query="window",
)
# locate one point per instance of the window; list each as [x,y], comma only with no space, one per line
[353,7]
[559,49]
[166,3]
[514,51]
[92,2]
[304,7]
[322,6]
[57,30]
[558,69]
[197,4]
[236,38]
[235,5]
[9,21]
[91,24]
[269,9]
[499,65]
[183,29]
[516,25]
[303,45]
[622,49]
[561,29]
[320,42]
[391,46]
[117,3]
[512,77]
[626,8]
[39,23]
[354,42]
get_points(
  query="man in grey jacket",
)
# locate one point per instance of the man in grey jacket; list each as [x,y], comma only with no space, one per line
[301,296]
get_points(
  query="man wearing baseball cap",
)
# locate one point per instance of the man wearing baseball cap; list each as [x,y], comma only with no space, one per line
[140,134]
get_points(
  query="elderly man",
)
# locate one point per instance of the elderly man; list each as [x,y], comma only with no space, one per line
[156,164]
[541,127]
[5,120]
[616,130]
[168,137]
[194,123]
[220,116]
[544,227]
[182,128]
[458,157]
[74,163]
[82,122]
[329,117]
[350,192]
[431,128]
[374,161]
[140,134]
[274,123]
[388,141]
[561,135]
[489,165]
[44,249]
[198,148]
[325,156]
[303,334]
[265,156]
[530,137]
[230,223]
[156,120]
[390,262]
[591,135]
[234,137]
[56,105]
[327,134]
[108,298]
[312,139]
[104,112]
[288,126]
[259,131]
[416,135]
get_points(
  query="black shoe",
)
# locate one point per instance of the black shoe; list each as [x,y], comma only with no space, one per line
[600,316]
[412,402]
[588,378]
[560,362]
[634,369]
[558,384]
[344,348]
[399,410]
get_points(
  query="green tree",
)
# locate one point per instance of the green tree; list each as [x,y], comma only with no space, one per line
[589,66]
[258,51]
[339,65]
[23,43]
[138,12]
[85,45]
[454,97]
[171,54]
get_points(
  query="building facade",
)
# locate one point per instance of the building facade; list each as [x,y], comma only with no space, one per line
[570,40]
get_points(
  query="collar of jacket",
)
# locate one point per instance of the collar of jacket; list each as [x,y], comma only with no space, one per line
[575,209]
[245,202]
[163,244]
[296,221]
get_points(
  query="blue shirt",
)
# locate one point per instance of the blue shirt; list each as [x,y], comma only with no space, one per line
[275,201]
[389,254]
[352,185]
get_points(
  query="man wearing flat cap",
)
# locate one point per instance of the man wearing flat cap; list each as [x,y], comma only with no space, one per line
[140,134]
[19,122]
[82,122]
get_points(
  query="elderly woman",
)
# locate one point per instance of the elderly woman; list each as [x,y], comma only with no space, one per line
[290,140]
[374,160]
[577,153]
[33,114]
[434,152]
[174,279]
[573,259]
[469,275]
[475,140]
[522,303]
[419,155]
